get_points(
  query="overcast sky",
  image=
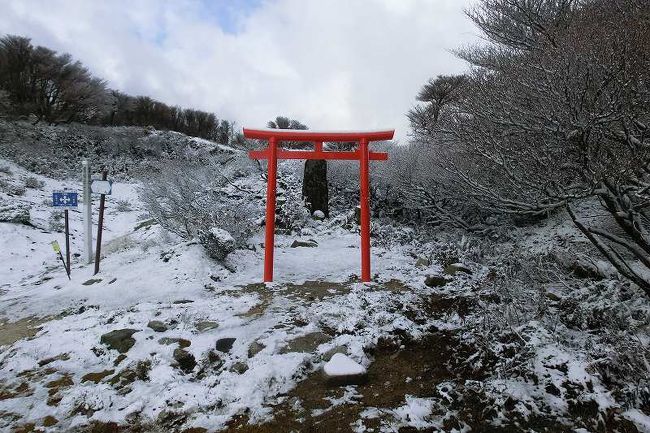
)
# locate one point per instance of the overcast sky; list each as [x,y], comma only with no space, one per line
[332,64]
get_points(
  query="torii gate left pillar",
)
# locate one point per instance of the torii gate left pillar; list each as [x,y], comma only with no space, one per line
[362,154]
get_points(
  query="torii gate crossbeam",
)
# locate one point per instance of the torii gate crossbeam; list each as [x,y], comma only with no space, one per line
[273,152]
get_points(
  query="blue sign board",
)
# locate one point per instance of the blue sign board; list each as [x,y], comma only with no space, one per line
[64,199]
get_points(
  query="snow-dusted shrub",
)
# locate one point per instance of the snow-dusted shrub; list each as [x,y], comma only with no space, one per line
[123,206]
[32,182]
[55,221]
[11,188]
[187,199]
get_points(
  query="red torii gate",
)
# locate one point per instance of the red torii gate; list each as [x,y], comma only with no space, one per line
[274,152]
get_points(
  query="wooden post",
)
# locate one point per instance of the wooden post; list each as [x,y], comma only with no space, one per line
[67,241]
[269,238]
[100,225]
[364,196]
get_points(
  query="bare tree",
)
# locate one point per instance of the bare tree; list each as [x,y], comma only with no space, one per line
[554,110]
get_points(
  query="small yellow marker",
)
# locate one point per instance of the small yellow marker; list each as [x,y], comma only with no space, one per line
[57,249]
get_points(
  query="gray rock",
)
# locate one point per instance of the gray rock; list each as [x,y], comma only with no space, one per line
[239,367]
[16,213]
[584,269]
[182,343]
[224,344]
[435,281]
[309,244]
[185,360]
[455,268]
[255,348]
[307,343]
[119,339]
[183,301]
[318,215]
[91,281]
[206,325]
[341,370]
[422,262]
[157,326]
[218,243]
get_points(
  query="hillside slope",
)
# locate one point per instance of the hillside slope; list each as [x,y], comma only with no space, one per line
[163,338]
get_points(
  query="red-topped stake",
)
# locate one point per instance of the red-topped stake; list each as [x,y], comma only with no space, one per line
[363,154]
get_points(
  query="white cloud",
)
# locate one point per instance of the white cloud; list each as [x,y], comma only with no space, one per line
[333,64]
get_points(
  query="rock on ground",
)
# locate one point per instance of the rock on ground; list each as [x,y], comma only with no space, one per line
[224,344]
[309,244]
[185,360]
[218,243]
[157,326]
[435,281]
[120,339]
[342,370]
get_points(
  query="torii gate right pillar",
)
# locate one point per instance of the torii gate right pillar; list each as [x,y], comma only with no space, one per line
[364,196]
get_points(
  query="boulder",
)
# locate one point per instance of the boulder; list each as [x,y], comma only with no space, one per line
[422,262]
[96,377]
[307,343]
[206,325]
[435,281]
[16,213]
[120,339]
[584,269]
[157,326]
[318,215]
[342,370]
[224,344]
[255,348]
[239,367]
[455,268]
[185,360]
[218,243]
[182,343]
[92,281]
[308,243]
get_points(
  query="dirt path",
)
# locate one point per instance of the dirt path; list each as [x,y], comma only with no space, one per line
[415,370]
[10,332]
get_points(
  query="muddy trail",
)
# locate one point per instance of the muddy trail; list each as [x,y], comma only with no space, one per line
[313,406]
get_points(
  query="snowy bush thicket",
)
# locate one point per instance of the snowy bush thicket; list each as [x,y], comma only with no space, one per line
[187,199]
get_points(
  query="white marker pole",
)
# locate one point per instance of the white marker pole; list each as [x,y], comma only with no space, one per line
[88,221]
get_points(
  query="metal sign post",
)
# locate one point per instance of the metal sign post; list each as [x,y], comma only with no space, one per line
[88,222]
[66,200]
[102,187]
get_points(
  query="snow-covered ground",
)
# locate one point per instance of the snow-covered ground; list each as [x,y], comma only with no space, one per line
[223,346]
[147,274]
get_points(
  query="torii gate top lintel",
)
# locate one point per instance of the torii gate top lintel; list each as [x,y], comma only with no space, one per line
[362,154]
[308,135]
